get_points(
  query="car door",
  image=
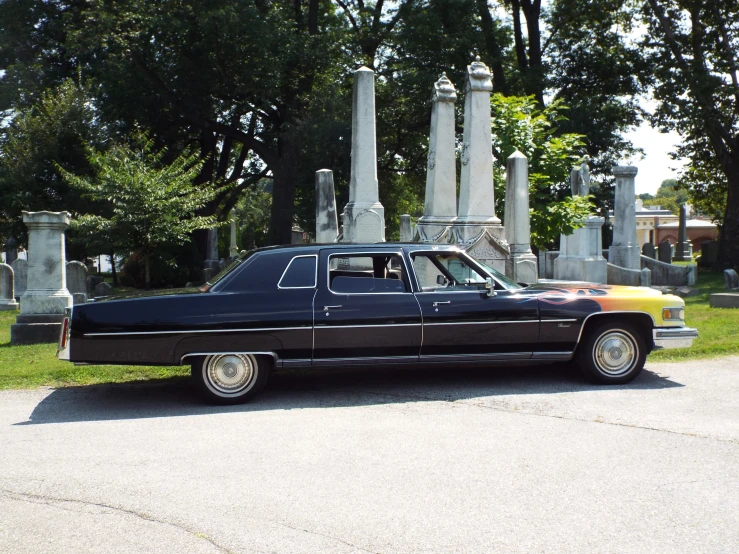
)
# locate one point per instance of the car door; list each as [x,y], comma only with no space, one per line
[364,310]
[462,319]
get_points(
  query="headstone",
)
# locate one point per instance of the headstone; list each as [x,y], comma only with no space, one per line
[406,230]
[92,282]
[103,289]
[521,266]
[233,249]
[476,228]
[364,217]
[11,251]
[211,251]
[327,224]
[684,248]
[7,294]
[440,205]
[649,250]
[709,253]
[46,296]
[664,252]
[20,272]
[79,298]
[625,252]
[76,277]
[731,280]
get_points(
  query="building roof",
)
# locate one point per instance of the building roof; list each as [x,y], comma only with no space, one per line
[690,224]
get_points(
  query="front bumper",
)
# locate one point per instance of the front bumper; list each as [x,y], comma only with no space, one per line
[674,337]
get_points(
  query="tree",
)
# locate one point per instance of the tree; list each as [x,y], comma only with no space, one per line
[519,124]
[692,47]
[670,196]
[152,203]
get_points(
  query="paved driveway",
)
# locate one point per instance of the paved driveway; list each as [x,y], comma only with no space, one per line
[442,460]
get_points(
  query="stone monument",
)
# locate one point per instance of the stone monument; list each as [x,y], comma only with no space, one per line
[684,248]
[521,265]
[406,229]
[625,252]
[476,228]
[327,224]
[11,251]
[76,280]
[364,217]
[581,253]
[649,250]
[440,205]
[233,250]
[20,276]
[211,265]
[7,295]
[664,252]
[46,295]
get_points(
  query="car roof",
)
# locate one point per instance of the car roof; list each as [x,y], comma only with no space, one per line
[304,248]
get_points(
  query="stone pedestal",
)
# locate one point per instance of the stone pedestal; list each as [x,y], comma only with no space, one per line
[46,296]
[580,257]
[440,206]
[624,251]
[521,266]
[327,225]
[363,219]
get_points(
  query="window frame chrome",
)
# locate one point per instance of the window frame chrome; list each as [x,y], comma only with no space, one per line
[356,254]
[315,275]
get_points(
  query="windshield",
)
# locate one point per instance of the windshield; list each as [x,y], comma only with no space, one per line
[229,268]
[498,276]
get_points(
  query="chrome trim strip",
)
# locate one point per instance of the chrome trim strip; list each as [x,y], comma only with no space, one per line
[274,356]
[392,252]
[584,321]
[367,326]
[674,337]
[559,320]
[552,356]
[315,277]
[493,322]
[486,356]
[193,331]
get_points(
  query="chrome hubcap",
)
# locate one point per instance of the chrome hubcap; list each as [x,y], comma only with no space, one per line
[615,353]
[230,373]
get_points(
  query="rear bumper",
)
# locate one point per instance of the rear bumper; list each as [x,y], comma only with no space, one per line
[674,337]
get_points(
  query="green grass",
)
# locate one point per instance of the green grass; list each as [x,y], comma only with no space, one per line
[36,365]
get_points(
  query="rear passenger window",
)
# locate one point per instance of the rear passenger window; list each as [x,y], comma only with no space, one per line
[300,273]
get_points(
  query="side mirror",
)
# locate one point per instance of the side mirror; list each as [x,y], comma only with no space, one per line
[490,286]
[442,281]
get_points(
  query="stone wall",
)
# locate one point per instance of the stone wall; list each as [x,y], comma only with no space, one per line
[618,275]
[670,275]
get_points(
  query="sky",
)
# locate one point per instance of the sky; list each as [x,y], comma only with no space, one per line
[656,166]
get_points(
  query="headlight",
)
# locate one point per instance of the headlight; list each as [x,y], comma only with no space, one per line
[677,314]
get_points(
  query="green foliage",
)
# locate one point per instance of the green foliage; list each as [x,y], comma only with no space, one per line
[150,203]
[252,217]
[670,196]
[520,124]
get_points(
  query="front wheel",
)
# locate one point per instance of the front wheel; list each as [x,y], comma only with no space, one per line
[230,378]
[612,353]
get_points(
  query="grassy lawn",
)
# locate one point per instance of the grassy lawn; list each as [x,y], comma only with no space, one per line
[36,365]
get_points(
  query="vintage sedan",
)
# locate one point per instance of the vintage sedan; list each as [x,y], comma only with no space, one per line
[339,305]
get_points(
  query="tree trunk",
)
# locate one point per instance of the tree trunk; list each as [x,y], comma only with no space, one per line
[147,272]
[285,176]
[728,243]
[112,269]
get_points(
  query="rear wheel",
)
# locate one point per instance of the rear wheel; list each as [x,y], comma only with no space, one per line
[612,353]
[230,378]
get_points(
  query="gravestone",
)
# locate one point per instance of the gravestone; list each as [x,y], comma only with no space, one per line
[7,294]
[625,252]
[477,229]
[649,250]
[211,251]
[327,224]
[20,276]
[440,203]
[684,248]
[521,265]
[46,296]
[731,280]
[92,282]
[364,217]
[103,289]
[233,249]
[664,252]
[406,230]
[76,278]
[709,253]
[11,251]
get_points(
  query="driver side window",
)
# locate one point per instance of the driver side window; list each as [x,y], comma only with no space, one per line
[445,270]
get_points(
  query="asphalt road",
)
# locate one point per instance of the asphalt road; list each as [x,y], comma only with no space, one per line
[442,460]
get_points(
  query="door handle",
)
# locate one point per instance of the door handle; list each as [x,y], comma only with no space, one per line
[438,303]
[327,308]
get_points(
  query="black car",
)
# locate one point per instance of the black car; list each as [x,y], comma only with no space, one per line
[310,306]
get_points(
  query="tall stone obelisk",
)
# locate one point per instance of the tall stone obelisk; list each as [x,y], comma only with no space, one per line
[476,228]
[364,216]
[521,266]
[683,248]
[625,251]
[327,226]
[440,206]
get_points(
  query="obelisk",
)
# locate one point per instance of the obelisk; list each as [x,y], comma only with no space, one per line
[521,266]
[364,216]
[625,251]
